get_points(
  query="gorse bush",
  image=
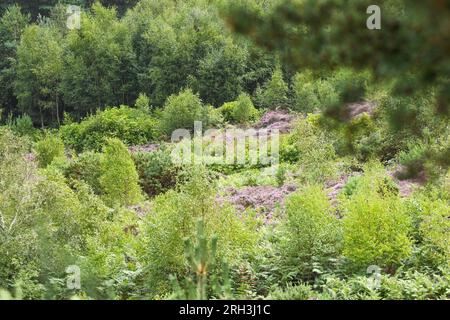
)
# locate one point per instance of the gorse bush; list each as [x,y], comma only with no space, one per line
[131,126]
[119,179]
[311,236]
[49,148]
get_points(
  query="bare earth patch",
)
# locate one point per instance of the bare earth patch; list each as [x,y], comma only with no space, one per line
[407,186]
[263,199]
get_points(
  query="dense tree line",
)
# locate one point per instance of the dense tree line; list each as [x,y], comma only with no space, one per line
[157,48]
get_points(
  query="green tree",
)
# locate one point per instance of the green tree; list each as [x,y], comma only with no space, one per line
[39,73]
[99,68]
[119,179]
[274,93]
[180,112]
[12,24]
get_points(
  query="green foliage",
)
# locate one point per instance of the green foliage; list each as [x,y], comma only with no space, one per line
[311,236]
[429,211]
[173,219]
[23,125]
[100,64]
[305,95]
[119,179]
[39,72]
[49,148]
[180,112]
[292,292]
[413,159]
[201,258]
[243,110]
[86,167]
[410,285]
[315,152]
[376,225]
[240,111]
[131,126]
[274,93]
[156,171]
[12,24]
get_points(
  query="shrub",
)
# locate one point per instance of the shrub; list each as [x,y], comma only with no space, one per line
[180,112]
[49,148]
[311,235]
[410,285]
[156,171]
[413,159]
[173,220]
[239,111]
[86,167]
[119,179]
[430,211]
[292,292]
[274,93]
[23,125]
[304,93]
[376,225]
[350,85]
[327,94]
[243,110]
[316,154]
[131,126]
[143,102]
[227,110]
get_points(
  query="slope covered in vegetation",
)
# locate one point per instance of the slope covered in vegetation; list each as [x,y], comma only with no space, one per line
[94,205]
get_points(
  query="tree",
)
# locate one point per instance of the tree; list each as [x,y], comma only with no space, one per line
[274,93]
[99,68]
[39,73]
[180,112]
[119,179]
[410,50]
[12,24]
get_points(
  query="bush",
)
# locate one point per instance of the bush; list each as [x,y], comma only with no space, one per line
[274,93]
[243,110]
[131,126]
[239,111]
[156,171]
[430,211]
[413,159]
[291,292]
[376,225]
[173,219]
[316,154]
[86,167]
[119,179]
[180,112]
[410,285]
[311,235]
[350,85]
[23,125]
[304,92]
[49,148]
